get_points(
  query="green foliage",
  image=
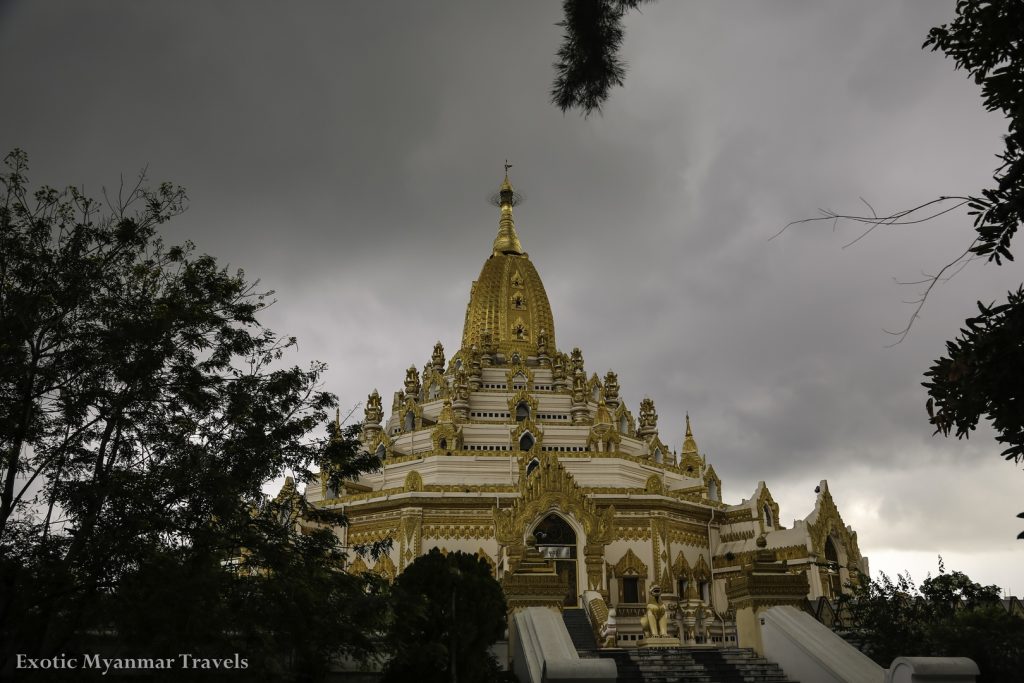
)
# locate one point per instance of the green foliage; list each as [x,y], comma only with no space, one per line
[142,409]
[446,610]
[987,40]
[981,375]
[949,616]
[588,63]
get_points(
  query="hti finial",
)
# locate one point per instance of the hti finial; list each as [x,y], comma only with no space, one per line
[507,166]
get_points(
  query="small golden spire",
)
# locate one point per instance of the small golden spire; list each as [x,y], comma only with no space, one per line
[689,444]
[507,241]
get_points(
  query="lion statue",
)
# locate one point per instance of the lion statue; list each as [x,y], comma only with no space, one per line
[655,622]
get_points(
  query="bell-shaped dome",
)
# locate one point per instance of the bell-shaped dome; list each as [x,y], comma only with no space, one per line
[508,298]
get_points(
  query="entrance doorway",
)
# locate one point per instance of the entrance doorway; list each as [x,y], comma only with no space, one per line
[557,541]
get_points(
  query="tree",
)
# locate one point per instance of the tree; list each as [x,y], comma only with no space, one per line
[949,616]
[588,63]
[975,378]
[142,409]
[987,40]
[446,611]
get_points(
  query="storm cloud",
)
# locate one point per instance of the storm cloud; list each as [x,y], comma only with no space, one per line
[342,153]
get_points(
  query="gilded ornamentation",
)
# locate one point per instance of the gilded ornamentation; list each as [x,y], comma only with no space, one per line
[551,488]
[576,361]
[594,560]
[655,485]
[411,537]
[535,431]
[629,565]
[461,385]
[712,483]
[412,383]
[766,499]
[681,568]
[542,343]
[437,357]
[522,396]
[738,515]
[458,531]
[698,539]
[413,482]
[411,415]
[558,368]
[689,459]
[737,536]
[357,566]
[492,301]
[660,550]
[611,388]
[689,444]
[599,618]
[374,413]
[482,554]
[655,620]
[829,522]
[648,416]
[385,567]
[701,571]
[632,533]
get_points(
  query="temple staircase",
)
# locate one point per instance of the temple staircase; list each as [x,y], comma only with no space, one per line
[578,626]
[690,665]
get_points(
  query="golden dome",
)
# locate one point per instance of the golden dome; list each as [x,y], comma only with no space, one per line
[508,298]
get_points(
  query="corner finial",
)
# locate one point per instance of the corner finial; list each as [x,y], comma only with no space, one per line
[689,444]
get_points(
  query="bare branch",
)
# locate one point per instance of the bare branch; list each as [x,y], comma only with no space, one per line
[911,216]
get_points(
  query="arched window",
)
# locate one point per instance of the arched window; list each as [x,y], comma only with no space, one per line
[410,421]
[435,391]
[519,381]
[658,457]
[712,490]
[443,444]
[555,538]
[769,521]
[831,554]
[522,411]
[458,363]
[381,452]
[595,394]
[624,424]
[534,464]
[526,441]
[517,301]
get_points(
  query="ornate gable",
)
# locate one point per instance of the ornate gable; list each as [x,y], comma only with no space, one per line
[629,565]
[825,520]
[550,488]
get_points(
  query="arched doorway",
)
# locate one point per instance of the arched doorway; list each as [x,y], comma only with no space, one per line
[835,582]
[556,541]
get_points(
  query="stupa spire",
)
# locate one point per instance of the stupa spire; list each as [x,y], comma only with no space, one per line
[689,444]
[507,241]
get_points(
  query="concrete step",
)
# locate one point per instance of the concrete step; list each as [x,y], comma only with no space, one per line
[580,631]
[690,665]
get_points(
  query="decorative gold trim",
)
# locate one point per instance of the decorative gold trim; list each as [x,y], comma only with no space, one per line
[413,482]
[629,565]
[551,488]
[386,568]
[701,571]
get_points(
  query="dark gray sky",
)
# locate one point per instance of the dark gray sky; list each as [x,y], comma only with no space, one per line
[341,152]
